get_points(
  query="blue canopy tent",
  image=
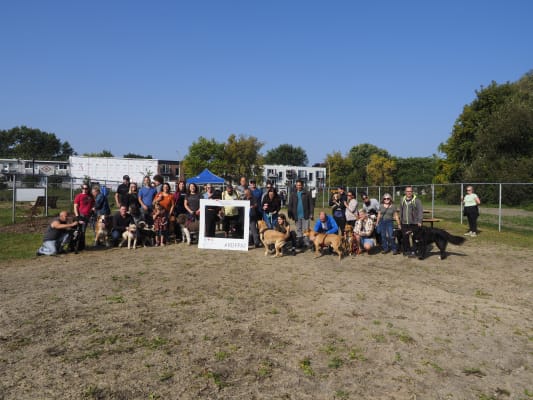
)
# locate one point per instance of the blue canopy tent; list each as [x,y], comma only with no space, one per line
[205,177]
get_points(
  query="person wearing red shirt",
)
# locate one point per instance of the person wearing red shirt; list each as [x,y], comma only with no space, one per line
[83,207]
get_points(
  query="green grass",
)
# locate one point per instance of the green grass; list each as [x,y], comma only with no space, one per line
[517,232]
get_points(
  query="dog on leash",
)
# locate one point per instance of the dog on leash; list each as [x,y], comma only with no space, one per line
[130,236]
[423,236]
[101,235]
[188,227]
[145,234]
[272,236]
[334,240]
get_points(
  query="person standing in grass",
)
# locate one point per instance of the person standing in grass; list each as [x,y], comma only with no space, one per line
[471,204]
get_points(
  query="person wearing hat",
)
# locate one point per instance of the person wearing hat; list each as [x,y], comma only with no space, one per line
[387,214]
[122,193]
[338,207]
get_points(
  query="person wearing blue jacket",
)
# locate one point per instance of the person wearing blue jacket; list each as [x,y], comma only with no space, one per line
[326,224]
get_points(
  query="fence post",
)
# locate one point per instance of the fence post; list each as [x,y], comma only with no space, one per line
[46,196]
[14,205]
[500,210]
[461,207]
[432,200]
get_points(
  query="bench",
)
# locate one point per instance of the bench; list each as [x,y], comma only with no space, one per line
[430,221]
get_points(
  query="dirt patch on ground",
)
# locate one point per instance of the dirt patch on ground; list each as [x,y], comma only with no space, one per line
[182,323]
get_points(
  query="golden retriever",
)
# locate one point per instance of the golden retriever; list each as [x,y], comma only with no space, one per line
[325,239]
[271,236]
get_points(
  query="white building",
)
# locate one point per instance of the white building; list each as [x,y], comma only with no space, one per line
[112,168]
[285,176]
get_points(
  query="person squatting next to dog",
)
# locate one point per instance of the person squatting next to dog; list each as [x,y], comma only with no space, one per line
[300,209]
[121,221]
[57,235]
[363,231]
[83,207]
[283,226]
[338,207]
[160,217]
[411,216]
[471,210]
[385,224]
[270,208]
[326,224]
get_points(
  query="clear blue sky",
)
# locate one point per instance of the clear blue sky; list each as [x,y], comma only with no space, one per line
[151,77]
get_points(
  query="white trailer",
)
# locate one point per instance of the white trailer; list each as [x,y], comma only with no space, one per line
[111,169]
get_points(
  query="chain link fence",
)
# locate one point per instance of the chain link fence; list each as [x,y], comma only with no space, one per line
[503,205]
[23,197]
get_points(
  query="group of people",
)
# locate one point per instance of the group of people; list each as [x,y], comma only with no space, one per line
[371,221]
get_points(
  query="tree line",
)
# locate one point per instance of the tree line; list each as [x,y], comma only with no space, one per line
[491,141]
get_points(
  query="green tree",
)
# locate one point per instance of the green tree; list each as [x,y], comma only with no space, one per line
[415,170]
[133,155]
[338,168]
[359,158]
[204,153]
[380,170]
[103,153]
[242,158]
[461,147]
[29,143]
[287,154]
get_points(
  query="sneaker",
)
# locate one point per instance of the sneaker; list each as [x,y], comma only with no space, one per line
[473,234]
[385,251]
[412,255]
[469,233]
[395,252]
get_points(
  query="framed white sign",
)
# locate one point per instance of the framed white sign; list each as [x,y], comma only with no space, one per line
[237,215]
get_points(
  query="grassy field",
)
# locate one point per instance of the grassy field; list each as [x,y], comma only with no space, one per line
[517,229]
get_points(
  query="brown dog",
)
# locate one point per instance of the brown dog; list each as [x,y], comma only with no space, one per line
[271,236]
[101,234]
[188,227]
[325,239]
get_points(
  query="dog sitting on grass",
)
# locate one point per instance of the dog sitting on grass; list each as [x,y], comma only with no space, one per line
[130,236]
[271,236]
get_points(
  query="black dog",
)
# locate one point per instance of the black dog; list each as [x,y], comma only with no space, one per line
[424,236]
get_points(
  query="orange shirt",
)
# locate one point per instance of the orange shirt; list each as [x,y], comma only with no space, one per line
[165,200]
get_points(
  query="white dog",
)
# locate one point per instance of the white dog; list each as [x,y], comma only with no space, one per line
[129,235]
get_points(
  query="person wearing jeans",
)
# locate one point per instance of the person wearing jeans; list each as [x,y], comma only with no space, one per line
[385,224]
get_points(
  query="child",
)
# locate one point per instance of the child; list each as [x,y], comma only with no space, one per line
[160,224]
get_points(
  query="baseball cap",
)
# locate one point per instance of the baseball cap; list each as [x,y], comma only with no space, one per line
[126,177]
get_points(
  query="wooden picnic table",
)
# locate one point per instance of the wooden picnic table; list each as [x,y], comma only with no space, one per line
[430,221]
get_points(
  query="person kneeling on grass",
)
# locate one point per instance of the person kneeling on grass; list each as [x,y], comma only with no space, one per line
[363,230]
[57,235]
